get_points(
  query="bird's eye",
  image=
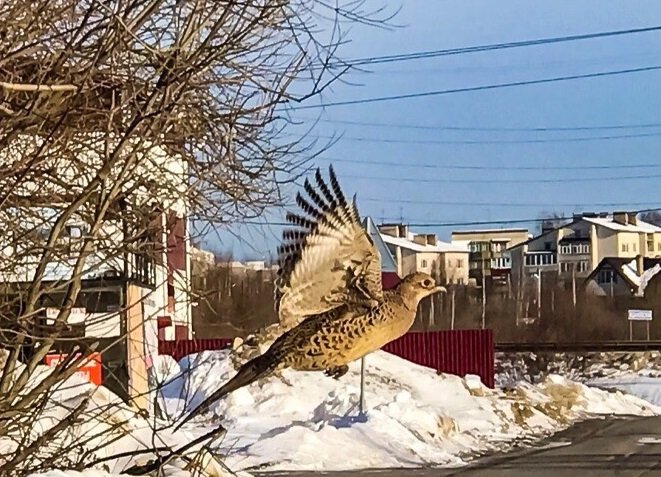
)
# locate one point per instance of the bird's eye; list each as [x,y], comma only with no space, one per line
[426,283]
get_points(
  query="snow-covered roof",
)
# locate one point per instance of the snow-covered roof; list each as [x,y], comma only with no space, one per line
[608,222]
[440,247]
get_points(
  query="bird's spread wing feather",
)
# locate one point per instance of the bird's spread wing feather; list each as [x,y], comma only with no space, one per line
[329,260]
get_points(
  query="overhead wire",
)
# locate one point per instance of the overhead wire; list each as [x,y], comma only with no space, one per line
[372,60]
[490,167]
[475,88]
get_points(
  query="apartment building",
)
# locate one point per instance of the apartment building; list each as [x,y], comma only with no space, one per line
[425,253]
[577,248]
[488,253]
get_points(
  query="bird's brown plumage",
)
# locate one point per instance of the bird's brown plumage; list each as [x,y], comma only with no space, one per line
[329,296]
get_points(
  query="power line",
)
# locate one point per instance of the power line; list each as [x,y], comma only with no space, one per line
[504,181]
[461,223]
[478,88]
[491,141]
[484,129]
[488,47]
[502,204]
[489,167]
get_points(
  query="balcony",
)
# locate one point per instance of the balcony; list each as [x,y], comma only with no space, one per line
[541,259]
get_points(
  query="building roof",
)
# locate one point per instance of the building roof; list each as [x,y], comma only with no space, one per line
[627,269]
[608,222]
[388,264]
[408,243]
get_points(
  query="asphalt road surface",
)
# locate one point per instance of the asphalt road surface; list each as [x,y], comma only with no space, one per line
[612,447]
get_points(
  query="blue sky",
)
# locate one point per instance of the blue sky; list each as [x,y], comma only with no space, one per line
[426,177]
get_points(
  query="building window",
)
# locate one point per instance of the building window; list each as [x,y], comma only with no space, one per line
[583,266]
[625,247]
[607,276]
[423,263]
[634,247]
[586,248]
[547,246]
[658,247]
[460,263]
[565,249]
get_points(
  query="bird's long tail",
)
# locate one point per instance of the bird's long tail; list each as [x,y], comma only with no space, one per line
[257,368]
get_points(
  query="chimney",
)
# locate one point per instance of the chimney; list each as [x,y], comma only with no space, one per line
[633,218]
[403,231]
[420,238]
[640,266]
[431,239]
[621,218]
[391,229]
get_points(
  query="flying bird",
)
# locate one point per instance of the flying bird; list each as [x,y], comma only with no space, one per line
[329,295]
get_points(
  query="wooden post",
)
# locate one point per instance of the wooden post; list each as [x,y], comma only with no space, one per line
[431,313]
[484,295]
[630,330]
[573,284]
[539,296]
[452,310]
[648,330]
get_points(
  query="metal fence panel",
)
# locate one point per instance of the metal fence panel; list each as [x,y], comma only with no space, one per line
[457,352]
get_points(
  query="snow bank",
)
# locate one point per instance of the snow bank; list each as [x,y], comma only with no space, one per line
[415,417]
[645,387]
[110,435]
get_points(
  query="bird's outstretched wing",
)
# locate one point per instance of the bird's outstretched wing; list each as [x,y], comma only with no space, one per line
[329,260]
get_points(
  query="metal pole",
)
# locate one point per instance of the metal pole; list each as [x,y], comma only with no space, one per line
[362,385]
[648,330]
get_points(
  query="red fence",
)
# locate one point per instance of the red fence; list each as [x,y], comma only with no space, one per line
[457,352]
[180,348]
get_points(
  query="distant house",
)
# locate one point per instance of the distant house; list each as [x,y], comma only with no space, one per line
[576,248]
[616,276]
[425,253]
[489,255]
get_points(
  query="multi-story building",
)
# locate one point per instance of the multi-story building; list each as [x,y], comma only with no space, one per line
[425,253]
[577,247]
[489,256]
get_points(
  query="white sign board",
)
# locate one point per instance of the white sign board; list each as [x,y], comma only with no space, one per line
[77,315]
[640,315]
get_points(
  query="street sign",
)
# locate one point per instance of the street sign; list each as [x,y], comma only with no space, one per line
[640,315]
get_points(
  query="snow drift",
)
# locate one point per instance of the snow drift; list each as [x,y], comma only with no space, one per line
[307,421]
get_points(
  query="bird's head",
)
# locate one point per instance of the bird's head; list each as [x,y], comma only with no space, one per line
[416,286]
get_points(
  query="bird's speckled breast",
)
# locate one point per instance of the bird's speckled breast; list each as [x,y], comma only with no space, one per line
[344,335]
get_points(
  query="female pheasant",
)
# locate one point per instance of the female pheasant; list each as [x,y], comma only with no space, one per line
[329,295]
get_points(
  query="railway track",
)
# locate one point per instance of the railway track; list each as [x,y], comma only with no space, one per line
[580,346]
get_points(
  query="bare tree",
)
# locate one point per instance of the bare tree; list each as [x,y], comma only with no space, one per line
[116,118]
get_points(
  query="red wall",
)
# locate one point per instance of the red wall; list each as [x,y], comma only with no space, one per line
[457,352]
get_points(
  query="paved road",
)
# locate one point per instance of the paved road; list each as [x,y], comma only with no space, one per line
[618,447]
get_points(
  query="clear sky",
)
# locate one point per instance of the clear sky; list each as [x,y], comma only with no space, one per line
[423,177]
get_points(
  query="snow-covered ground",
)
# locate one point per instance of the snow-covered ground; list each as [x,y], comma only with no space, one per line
[109,436]
[414,416]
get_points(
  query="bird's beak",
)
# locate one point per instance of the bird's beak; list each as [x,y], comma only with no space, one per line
[440,289]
